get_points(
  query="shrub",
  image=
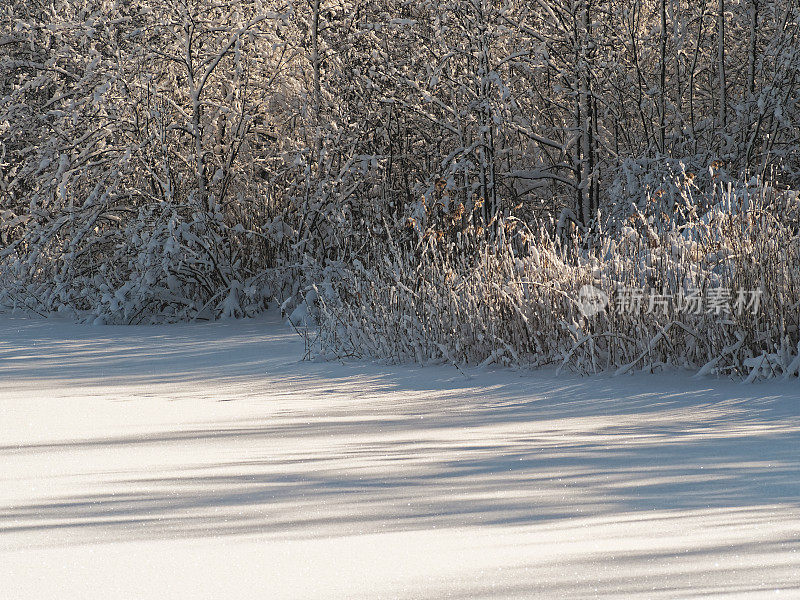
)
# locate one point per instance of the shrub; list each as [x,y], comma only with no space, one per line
[513,301]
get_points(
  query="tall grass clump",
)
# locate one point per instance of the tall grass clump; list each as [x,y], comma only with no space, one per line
[716,291]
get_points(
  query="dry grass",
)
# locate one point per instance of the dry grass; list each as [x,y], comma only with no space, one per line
[459,298]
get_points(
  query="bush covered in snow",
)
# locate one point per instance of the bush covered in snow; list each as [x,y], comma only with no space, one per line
[449,174]
[718,293]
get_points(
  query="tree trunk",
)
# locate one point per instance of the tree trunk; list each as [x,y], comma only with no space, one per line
[315,65]
[751,62]
[662,106]
[723,84]
[585,115]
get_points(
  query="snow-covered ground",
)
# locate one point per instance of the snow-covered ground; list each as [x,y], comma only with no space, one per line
[208,461]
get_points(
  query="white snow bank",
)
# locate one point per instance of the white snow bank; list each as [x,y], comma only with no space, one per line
[125,475]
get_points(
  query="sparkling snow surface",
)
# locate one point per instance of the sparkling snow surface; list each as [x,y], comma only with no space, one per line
[207,461]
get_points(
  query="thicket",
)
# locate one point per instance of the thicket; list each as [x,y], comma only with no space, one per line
[434,180]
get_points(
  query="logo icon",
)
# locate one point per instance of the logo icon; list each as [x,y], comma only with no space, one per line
[591,300]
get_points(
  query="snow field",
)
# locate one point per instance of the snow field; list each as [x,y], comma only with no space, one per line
[208,461]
